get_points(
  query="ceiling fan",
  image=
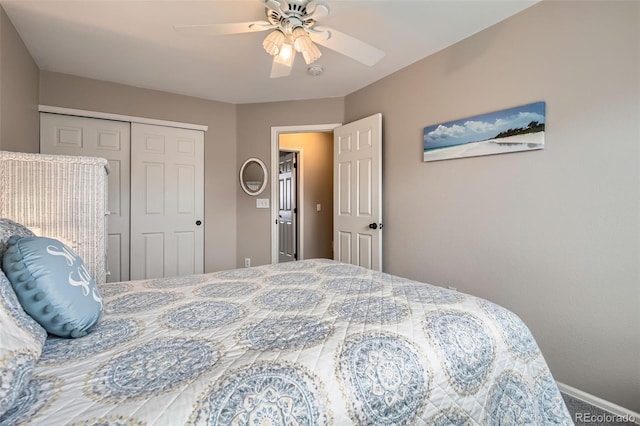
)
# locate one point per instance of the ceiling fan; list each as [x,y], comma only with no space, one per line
[294,29]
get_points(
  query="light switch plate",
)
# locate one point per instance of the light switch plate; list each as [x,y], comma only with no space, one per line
[262,203]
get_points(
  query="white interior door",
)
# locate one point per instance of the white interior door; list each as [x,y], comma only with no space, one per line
[287,210]
[71,135]
[167,201]
[357,192]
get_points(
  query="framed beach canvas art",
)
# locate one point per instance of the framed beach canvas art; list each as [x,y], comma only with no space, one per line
[509,130]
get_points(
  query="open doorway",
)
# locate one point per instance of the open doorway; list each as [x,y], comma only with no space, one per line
[356,210]
[311,227]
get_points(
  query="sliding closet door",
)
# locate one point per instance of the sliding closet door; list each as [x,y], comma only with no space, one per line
[71,135]
[167,201]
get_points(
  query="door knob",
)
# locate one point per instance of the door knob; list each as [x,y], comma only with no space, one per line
[373,225]
[198,222]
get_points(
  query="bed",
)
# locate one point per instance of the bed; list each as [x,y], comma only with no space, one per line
[312,342]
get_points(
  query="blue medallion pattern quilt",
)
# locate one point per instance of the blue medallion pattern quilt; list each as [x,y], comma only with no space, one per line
[313,342]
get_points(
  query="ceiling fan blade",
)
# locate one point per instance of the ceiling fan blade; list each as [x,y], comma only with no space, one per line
[223,29]
[316,10]
[280,6]
[346,45]
[279,69]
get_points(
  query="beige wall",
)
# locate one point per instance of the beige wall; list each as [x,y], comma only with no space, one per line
[19,79]
[554,234]
[220,143]
[254,140]
[316,158]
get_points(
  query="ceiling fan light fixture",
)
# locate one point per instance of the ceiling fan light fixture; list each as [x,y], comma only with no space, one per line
[292,27]
[273,42]
[311,53]
[304,45]
[298,35]
[286,55]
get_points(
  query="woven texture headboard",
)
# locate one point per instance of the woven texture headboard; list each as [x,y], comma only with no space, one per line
[64,197]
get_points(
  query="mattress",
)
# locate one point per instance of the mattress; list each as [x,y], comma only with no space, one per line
[313,342]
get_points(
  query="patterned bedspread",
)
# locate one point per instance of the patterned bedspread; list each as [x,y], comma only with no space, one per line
[304,343]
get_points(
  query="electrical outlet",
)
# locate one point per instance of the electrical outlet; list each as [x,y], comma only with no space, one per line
[247,262]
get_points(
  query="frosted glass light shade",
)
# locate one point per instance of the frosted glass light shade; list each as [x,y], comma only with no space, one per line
[311,53]
[304,45]
[286,55]
[273,42]
[297,35]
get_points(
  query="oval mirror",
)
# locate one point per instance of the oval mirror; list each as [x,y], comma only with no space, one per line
[253,176]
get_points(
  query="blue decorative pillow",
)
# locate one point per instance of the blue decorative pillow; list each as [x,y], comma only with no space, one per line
[53,285]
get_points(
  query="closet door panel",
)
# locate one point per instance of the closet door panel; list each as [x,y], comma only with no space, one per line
[167,189]
[72,135]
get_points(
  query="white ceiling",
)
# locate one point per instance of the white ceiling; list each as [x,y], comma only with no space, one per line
[134,43]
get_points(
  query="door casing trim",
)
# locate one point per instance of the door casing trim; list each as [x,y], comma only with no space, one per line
[119,117]
[276,131]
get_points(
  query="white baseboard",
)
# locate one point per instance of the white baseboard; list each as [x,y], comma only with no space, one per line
[600,403]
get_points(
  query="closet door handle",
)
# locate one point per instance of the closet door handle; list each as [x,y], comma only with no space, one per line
[198,222]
